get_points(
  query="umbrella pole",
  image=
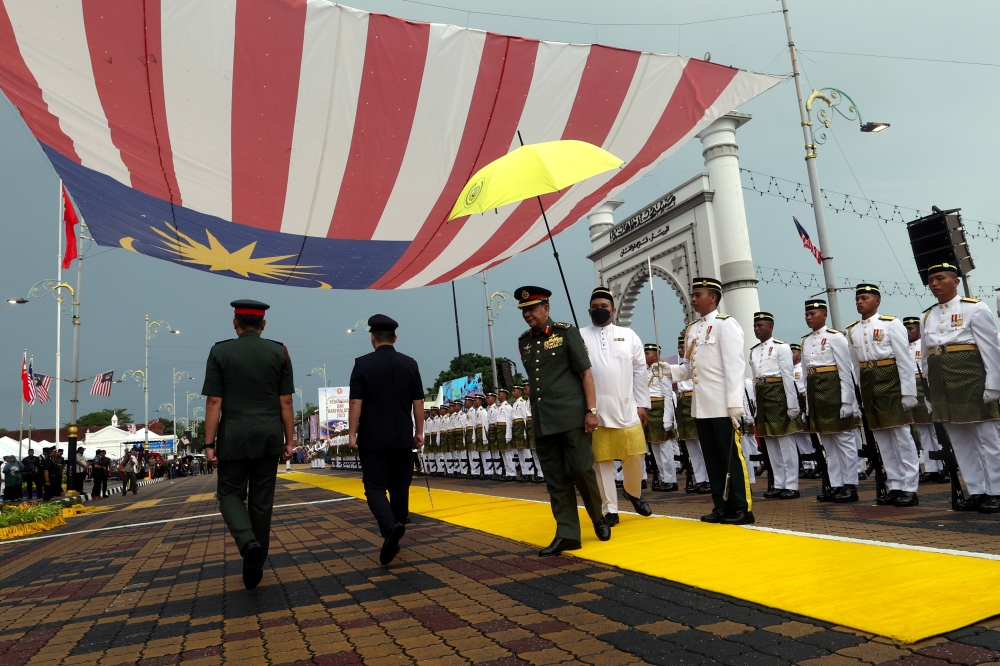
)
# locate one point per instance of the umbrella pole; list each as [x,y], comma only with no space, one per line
[555,254]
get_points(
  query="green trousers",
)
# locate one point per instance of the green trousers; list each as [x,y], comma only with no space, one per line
[568,460]
[246,498]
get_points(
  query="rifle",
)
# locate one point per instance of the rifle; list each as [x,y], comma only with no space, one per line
[871,450]
[685,461]
[818,455]
[762,454]
[947,453]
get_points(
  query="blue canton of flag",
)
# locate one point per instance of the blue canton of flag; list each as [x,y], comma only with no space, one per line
[102,384]
[807,242]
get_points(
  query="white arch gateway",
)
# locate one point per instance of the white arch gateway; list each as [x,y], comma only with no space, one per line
[697,229]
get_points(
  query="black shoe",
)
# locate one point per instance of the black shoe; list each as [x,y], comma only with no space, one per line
[668,487]
[611,519]
[559,545]
[644,484]
[603,530]
[862,476]
[773,493]
[253,565]
[889,499]
[911,499]
[828,495]
[789,494]
[656,485]
[845,495]
[991,505]
[739,518]
[390,546]
[640,505]
[619,484]
[703,488]
[716,516]
[538,479]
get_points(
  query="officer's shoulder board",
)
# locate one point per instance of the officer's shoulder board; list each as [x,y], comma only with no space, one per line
[929,309]
[221,342]
[722,316]
[756,345]
[832,330]
[528,332]
[971,300]
[852,324]
[780,342]
[886,317]
[561,324]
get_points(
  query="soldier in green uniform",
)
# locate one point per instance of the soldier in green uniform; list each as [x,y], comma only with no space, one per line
[249,425]
[564,405]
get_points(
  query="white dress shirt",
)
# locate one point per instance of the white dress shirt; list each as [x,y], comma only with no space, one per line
[826,346]
[714,350]
[519,409]
[800,378]
[773,358]
[963,322]
[878,338]
[658,380]
[618,363]
[505,420]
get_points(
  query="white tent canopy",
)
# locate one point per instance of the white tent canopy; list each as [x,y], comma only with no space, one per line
[140,436]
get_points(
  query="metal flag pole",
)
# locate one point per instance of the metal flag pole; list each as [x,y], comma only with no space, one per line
[70,455]
[489,327]
[74,399]
[555,253]
[20,430]
[31,405]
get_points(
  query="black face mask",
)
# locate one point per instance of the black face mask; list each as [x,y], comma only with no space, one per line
[600,316]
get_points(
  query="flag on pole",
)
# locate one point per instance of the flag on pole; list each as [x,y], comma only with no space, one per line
[102,384]
[27,386]
[807,242]
[131,428]
[41,386]
[71,220]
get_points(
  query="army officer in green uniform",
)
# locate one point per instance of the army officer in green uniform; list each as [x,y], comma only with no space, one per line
[248,428]
[564,407]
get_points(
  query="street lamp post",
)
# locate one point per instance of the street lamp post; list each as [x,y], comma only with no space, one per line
[194,413]
[178,375]
[152,328]
[302,415]
[358,325]
[321,371]
[499,297]
[832,97]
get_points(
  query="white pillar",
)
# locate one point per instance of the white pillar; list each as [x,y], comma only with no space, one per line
[732,238]
[603,217]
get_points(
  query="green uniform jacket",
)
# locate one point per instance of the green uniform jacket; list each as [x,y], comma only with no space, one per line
[553,359]
[250,374]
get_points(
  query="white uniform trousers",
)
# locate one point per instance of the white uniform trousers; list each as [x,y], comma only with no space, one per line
[487,461]
[748,446]
[977,449]
[475,463]
[784,454]
[841,457]
[619,474]
[697,460]
[929,442]
[634,471]
[899,456]
[663,454]
[804,443]
[508,462]
[538,467]
[525,461]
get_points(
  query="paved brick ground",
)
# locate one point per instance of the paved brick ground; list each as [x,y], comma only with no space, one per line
[171,592]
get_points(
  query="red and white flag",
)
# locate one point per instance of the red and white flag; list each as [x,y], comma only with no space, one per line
[102,384]
[71,220]
[41,386]
[27,386]
[807,242]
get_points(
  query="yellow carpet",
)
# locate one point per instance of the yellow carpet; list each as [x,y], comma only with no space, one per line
[903,594]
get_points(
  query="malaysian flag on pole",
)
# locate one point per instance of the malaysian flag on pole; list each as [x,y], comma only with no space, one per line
[41,386]
[807,242]
[27,385]
[102,384]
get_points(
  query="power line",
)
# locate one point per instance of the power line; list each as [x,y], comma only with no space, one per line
[889,57]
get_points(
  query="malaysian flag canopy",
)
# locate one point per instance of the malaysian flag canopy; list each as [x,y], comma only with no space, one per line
[311,144]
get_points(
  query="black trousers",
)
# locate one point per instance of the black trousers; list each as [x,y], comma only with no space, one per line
[32,480]
[387,471]
[100,488]
[567,461]
[52,490]
[723,456]
[12,493]
[130,483]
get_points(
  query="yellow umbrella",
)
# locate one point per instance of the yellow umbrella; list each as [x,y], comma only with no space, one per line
[530,171]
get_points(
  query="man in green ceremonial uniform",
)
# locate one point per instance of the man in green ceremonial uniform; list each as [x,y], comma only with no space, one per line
[564,407]
[249,425]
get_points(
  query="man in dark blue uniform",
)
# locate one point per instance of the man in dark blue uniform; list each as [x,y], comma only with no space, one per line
[386,421]
[249,425]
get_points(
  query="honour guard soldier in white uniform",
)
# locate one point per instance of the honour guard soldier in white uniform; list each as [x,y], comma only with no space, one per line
[923,425]
[714,350]
[887,376]
[482,427]
[831,404]
[469,437]
[494,467]
[618,364]
[519,415]
[961,360]
[687,431]
[425,453]
[505,435]
[661,433]
[778,410]
[802,439]
[456,431]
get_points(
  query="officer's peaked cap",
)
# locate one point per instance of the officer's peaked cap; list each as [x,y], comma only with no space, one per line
[380,322]
[249,307]
[529,295]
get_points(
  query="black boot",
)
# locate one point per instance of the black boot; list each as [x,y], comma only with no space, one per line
[889,499]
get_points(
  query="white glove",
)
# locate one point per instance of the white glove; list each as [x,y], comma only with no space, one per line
[793,413]
[747,420]
[846,410]
[991,395]
[667,425]
[927,404]
[909,401]
[735,414]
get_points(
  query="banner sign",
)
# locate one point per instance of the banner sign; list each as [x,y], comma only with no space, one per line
[457,389]
[334,402]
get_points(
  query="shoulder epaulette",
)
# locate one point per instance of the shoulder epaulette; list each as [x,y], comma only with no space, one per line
[275,342]
[886,317]
[756,345]
[561,324]
[832,330]
[722,316]
[971,300]
[229,340]
[780,342]
[928,309]
[528,332]
[852,324]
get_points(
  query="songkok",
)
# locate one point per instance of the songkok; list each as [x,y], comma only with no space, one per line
[706,283]
[794,347]
[943,268]
[815,304]
[380,322]
[651,347]
[517,387]
[529,296]
[866,288]
[602,292]
[249,308]
[911,320]
[763,316]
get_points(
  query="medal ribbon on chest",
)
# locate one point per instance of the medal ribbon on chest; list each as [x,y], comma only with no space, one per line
[956,321]
[878,334]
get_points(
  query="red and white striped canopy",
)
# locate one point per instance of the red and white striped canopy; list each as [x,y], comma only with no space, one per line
[317,145]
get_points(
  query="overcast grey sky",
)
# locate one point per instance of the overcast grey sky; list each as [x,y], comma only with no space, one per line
[930,155]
